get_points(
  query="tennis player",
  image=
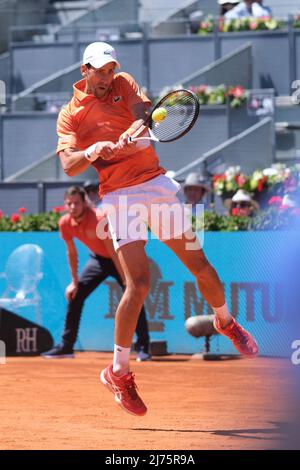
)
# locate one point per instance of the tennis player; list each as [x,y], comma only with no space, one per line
[94,129]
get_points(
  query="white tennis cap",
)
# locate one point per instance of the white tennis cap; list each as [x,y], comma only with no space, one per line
[99,54]
[222,2]
[241,196]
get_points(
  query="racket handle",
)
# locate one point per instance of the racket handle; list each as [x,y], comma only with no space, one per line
[135,139]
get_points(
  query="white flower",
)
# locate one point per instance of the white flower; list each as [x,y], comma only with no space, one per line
[287,172]
[257,175]
[270,172]
[231,172]
[169,89]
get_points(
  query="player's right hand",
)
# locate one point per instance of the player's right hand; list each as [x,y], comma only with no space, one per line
[71,291]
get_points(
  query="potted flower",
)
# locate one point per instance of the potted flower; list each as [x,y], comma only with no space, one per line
[215,95]
[237,96]
[274,181]
[228,183]
[297,21]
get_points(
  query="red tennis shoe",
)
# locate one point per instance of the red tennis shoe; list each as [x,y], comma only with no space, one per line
[241,339]
[124,389]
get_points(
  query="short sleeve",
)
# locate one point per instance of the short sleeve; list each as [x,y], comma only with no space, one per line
[131,91]
[66,131]
[63,230]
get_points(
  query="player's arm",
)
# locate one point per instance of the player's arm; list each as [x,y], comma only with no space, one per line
[73,160]
[76,161]
[140,111]
[72,254]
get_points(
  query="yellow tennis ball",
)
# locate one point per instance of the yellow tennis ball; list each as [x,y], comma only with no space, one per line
[159,114]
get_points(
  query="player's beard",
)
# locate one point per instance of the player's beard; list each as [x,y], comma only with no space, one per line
[100,92]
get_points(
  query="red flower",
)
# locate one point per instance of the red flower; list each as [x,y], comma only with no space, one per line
[58,209]
[261,183]
[219,177]
[275,201]
[253,25]
[235,211]
[240,180]
[1,214]
[239,92]
[15,218]
[236,92]
[22,210]
[260,186]
[202,88]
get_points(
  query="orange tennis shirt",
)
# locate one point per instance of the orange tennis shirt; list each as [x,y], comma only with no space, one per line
[85,231]
[86,120]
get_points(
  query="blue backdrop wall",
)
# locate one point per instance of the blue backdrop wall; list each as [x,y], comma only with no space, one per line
[249,264]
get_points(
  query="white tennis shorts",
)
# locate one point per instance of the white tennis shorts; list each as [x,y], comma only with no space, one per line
[154,204]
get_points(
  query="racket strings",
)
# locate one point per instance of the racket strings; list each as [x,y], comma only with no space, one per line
[182,109]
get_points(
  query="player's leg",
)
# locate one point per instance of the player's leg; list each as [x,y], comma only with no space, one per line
[142,330]
[206,276]
[212,290]
[170,222]
[134,263]
[117,377]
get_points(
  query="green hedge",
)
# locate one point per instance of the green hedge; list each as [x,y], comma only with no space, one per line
[44,222]
[270,219]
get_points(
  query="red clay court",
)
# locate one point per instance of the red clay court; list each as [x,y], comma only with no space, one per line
[192,404]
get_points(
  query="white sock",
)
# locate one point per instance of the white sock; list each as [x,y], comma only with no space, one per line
[121,360]
[222,314]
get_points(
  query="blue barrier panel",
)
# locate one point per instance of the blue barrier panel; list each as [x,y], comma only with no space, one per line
[249,264]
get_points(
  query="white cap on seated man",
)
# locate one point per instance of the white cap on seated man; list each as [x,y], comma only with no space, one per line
[227,5]
[195,188]
[242,204]
[247,9]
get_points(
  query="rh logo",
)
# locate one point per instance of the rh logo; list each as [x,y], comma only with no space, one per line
[26,340]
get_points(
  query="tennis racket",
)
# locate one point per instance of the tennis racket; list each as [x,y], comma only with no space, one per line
[180,108]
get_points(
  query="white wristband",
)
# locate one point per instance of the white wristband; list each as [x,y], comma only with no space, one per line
[89,153]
